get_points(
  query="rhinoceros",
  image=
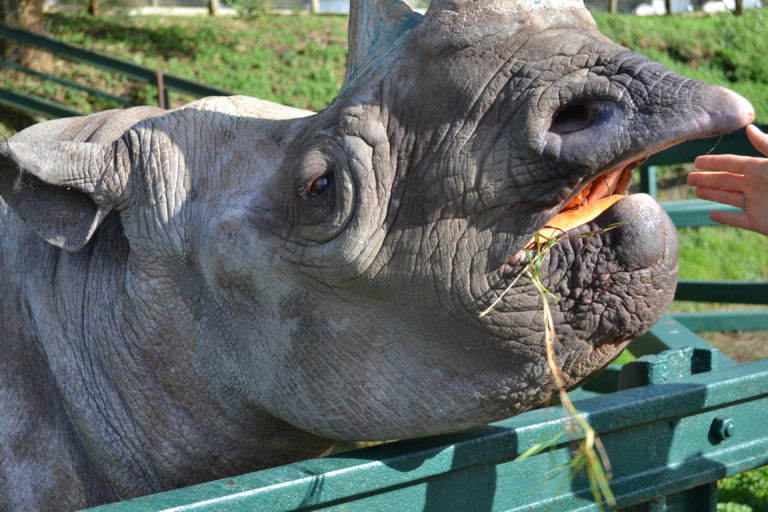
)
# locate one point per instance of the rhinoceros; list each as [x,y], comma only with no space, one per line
[236,284]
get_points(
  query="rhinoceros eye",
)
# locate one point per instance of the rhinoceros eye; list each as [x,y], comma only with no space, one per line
[317,197]
[320,185]
[321,172]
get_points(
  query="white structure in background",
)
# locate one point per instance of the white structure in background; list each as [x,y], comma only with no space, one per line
[650,9]
[728,5]
[657,7]
[719,6]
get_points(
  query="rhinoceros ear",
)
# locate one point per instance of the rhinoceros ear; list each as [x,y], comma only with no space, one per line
[374,26]
[61,190]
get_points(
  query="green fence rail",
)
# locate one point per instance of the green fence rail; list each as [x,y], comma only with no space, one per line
[36,105]
[673,421]
[676,427]
[164,82]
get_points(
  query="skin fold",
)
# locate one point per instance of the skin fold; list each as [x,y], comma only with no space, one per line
[235,284]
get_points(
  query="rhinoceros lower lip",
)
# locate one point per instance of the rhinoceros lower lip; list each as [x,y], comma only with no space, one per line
[590,201]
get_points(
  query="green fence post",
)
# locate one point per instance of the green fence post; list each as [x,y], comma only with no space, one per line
[648,180]
[664,367]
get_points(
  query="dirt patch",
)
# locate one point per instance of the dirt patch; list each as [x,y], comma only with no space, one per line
[741,346]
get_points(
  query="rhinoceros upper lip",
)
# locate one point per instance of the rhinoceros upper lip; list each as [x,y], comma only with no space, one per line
[592,199]
[596,196]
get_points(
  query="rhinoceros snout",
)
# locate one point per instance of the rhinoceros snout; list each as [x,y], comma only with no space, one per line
[725,110]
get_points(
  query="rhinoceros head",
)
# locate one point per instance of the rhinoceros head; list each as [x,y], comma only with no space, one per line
[331,269]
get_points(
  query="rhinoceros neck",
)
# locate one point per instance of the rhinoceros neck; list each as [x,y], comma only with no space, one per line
[132,353]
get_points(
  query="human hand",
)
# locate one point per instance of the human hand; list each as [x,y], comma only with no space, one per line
[739,181]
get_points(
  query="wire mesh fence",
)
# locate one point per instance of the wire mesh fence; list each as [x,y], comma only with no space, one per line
[339,6]
[622,6]
[652,7]
[639,7]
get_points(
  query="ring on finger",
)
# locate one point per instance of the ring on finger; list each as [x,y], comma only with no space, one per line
[743,203]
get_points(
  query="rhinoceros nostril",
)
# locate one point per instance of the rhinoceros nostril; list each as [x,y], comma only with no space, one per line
[574,117]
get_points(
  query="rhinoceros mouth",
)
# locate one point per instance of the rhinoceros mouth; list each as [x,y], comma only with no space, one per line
[590,201]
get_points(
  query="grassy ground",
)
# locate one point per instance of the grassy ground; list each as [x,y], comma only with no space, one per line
[299,61]
[736,258]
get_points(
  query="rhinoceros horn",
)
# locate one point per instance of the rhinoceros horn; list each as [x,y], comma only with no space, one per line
[374,28]
[541,7]
[377,27]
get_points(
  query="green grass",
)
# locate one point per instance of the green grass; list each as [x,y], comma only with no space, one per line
[745,492]
[294,60]
[298,61]
[723,253]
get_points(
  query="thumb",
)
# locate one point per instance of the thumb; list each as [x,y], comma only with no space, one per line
[758,139]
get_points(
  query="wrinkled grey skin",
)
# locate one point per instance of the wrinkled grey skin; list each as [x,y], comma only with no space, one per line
[183,299]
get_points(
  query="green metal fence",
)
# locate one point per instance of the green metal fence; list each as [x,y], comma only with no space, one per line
[164,82]
[673,422]
[667,442]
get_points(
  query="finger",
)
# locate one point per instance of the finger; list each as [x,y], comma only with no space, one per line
[758,139]
[732,163]
[735,219]
[720,196]
[721,180]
